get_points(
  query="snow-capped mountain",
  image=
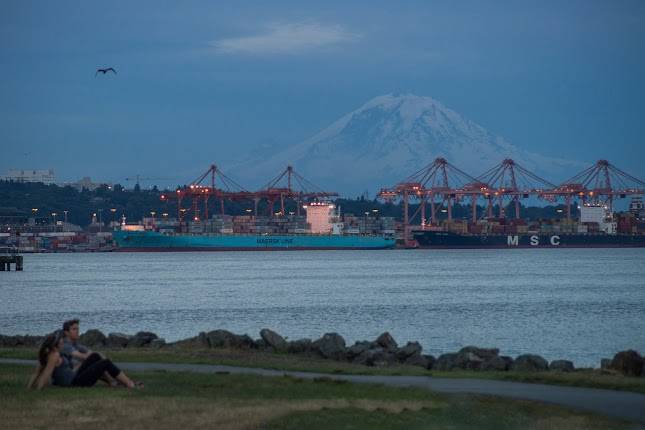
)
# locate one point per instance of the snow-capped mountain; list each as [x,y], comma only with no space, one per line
[391,137]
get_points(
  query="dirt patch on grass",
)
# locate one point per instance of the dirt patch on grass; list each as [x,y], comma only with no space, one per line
[165,413]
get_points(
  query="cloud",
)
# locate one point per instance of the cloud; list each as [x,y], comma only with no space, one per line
[285,39]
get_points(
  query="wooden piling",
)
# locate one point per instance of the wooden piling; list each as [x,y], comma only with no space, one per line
[7,260]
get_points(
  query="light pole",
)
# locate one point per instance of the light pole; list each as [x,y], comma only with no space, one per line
[100,221]
[65,225]
[113,210]
[153,213]
[54,216]
[365,222]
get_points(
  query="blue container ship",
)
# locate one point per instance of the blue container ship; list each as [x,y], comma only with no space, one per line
[158,241]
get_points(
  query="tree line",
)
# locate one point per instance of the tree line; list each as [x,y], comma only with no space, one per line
[22,200]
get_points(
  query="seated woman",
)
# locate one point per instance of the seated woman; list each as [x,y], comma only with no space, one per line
[56,367]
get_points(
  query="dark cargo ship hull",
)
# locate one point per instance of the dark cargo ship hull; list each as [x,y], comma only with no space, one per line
[446,240]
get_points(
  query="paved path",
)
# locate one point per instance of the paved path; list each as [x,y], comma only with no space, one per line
[620,404]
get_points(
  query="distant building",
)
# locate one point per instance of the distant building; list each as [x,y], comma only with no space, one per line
[86,182]
[44,176]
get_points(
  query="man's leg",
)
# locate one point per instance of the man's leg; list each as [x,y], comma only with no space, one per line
[91,374]
[93,358]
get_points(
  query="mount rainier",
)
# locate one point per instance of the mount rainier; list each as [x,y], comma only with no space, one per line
[392,136]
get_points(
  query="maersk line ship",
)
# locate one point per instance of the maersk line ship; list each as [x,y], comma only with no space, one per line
[322,230]
[156,241]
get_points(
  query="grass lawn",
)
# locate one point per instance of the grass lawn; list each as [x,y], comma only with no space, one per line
[187,400]
[581,378]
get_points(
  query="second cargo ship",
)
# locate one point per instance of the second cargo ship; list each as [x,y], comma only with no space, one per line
[597,228]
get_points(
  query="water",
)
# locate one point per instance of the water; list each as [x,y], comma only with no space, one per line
[578,304]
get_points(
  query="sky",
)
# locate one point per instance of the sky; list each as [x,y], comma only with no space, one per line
[201,82]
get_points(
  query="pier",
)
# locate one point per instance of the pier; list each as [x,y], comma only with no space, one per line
[7,260]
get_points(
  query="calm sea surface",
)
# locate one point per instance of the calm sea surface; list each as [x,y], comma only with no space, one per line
[561,303]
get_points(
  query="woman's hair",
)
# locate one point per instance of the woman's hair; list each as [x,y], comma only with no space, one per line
[49,343]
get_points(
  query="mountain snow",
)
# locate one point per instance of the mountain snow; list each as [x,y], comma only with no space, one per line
[393,136]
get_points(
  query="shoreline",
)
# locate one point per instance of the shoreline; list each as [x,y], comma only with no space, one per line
[383,352]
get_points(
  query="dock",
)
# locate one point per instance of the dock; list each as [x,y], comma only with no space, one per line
[7,260]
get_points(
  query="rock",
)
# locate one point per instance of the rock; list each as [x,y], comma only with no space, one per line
[561,366]
[32,341]
[387,342]
[300,346]
[244,341]
[200,341]
[431,360]
[383,359]
[226,339]
[274,340]
[469,361]
[331,345]
[464,360]
[446,362]
[357,349]
[117,340]
[377,357]
[500,363]
[10,341]
[262,345]
[158,343]
[219,338]
[472,358]
[530,363]
[27,340]
[17,340]
[142,338]
[410,349]
[93,338]
[605,363]
[629,363]
[484,353]
[419,360]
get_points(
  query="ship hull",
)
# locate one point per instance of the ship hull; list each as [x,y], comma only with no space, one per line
[447,240]
[158,242]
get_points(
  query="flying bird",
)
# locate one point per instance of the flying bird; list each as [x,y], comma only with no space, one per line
[104,71]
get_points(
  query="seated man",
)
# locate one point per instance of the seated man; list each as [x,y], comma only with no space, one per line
[75,352]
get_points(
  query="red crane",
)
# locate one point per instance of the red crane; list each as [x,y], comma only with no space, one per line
[227,189]
[282,187]
[439,182]
[602,181]
[509,180]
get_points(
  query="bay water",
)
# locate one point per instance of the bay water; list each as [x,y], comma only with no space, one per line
[576,304]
